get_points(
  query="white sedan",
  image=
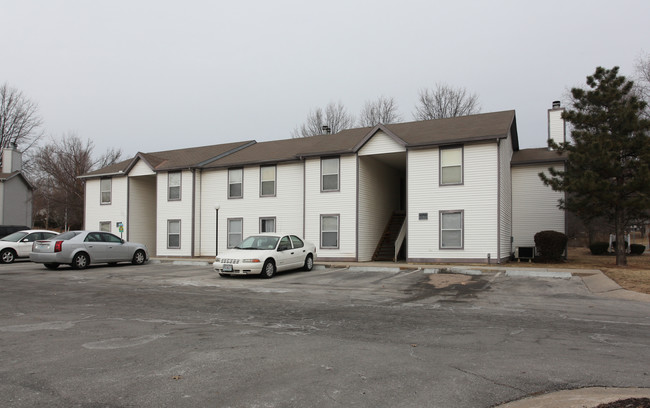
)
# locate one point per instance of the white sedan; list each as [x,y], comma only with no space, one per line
[266,254]
[19,244]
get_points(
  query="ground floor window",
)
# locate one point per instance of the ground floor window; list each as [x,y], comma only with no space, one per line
[451,229]
[235,231]
[329,231]
[267,224]
[173,233]
[105,226]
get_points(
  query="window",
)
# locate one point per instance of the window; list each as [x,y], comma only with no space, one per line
[451,165]
[105,226]
[235,229]
[329,169]
[329,231]
[297,242]
[105,189]
[174,186]
[114,239]
[235,183]
[451,229]
[285,243]
[267,181]
[173,233]
[267,224]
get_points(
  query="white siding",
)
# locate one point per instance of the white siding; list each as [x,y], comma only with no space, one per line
[142,211]
[379,192]
[505,197]
[114,212]
[174,210]
[141,169]
[381,143]
[286,206]
[477,198]
[342,202]
[534,204]
[556,126]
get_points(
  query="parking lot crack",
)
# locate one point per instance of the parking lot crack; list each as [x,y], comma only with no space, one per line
[488,379]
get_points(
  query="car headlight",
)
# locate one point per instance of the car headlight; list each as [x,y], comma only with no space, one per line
[251,260]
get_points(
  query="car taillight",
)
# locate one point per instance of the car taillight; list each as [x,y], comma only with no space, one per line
[57,246]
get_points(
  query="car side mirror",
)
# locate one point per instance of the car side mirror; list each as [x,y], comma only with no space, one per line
[25,240]
[121,240]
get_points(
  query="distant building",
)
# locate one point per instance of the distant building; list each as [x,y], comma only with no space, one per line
[16,192]
[446,190]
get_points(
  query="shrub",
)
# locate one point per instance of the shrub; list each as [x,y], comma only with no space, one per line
[637,249]
[614,245]
[551,245]
[599,248]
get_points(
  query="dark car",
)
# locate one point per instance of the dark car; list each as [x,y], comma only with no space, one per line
[10,229]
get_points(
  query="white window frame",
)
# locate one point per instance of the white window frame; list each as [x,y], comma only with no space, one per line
[169,233]
[103,224]
[323,174]
[267,181]
[324,231]
[240,233]
[231,183]
[454,164]
[460,229]
[170,185]
[263,219]
[103,190]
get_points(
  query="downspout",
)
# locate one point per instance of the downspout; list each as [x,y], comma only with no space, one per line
[193,209]
[498,203]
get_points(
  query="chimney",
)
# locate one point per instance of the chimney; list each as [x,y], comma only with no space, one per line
[12,159]
[556,125]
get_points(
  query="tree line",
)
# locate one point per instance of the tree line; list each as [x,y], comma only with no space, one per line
[441,101]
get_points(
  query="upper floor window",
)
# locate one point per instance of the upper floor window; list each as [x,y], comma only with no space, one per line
[174,185]
[235,183]
[451,229]
[105,190]
[267,181]
[451,165]
[329,169]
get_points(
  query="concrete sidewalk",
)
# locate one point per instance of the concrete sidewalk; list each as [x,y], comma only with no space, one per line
[580,398]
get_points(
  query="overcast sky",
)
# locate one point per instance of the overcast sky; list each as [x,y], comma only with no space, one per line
[156,75]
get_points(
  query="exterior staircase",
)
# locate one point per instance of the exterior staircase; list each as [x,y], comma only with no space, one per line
[386,247]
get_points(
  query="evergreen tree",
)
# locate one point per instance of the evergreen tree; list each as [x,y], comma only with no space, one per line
[608,170]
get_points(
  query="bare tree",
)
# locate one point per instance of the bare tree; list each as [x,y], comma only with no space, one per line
[383,110]
[19,119]
[332,119]
[642,80]
[60,194]
[445,101]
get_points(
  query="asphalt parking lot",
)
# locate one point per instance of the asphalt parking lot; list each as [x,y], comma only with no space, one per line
[179,335]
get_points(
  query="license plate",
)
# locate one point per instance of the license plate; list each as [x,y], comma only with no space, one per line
[227,268]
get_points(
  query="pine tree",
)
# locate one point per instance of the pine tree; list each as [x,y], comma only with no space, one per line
[608,170]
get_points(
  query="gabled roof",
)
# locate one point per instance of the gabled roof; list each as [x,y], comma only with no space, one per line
[462,129]
[8,176]
[166,160]
[536,156]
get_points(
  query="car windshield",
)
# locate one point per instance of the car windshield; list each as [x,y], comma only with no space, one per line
[258,242]
[15,237]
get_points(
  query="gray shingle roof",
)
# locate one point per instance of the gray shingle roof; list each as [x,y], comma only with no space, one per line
[486,126]
[536,156]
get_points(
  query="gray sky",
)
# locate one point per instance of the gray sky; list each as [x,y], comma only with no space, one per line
[156,75]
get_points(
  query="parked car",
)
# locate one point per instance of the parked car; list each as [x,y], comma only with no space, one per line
[81,248]
[19,244]
[266,254]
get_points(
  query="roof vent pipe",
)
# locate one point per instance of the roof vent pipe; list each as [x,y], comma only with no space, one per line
[556,104]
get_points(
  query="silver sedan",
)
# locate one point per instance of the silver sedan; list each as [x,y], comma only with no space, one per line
[81,248]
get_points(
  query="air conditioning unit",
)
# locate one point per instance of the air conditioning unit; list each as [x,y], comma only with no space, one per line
[525,253]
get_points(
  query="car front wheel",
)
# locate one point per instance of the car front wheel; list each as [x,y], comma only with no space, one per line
[7,256]
[268,270]
[139,257]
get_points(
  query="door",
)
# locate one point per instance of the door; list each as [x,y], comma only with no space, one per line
[95,247]
[24,246]
[285,254]
[115,249]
